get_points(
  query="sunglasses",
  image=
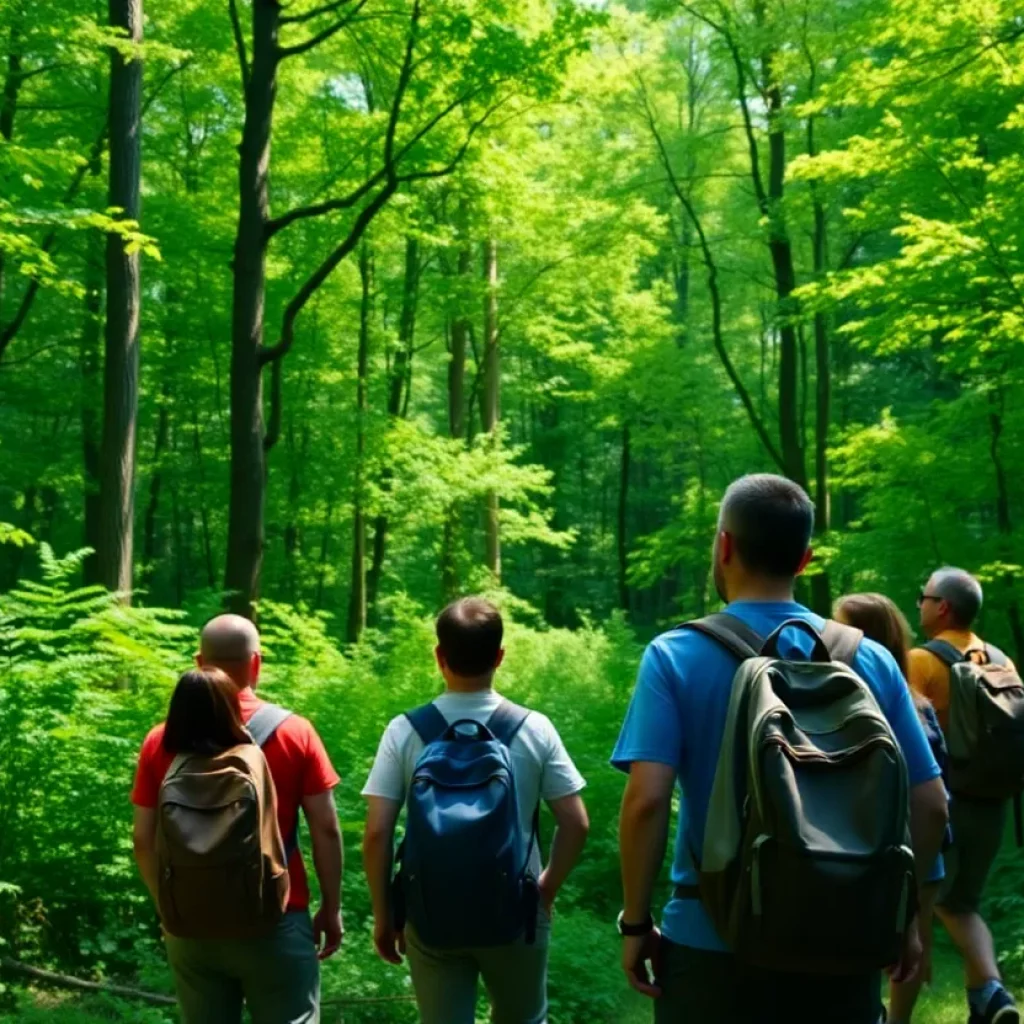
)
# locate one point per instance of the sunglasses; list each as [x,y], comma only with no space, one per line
[922,597]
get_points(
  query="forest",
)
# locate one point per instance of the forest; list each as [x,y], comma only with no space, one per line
[327,311]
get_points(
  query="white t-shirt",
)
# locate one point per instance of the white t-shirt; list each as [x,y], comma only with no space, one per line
[540,763]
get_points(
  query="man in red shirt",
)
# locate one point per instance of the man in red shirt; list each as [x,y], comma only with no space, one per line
[277,977]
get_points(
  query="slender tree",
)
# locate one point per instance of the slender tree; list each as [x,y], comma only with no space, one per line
[123,300]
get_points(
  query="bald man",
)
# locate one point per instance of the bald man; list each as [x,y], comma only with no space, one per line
[278,978]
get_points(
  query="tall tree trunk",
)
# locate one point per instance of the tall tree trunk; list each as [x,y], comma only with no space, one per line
[325,547]
[790,436]
[1005,524]
[490,408]
[248,473]
[459,343]
[821,584]
[400,371]
[121,356]
[357,592]
[155,485]
[204,512]
[89,363]
[623,545]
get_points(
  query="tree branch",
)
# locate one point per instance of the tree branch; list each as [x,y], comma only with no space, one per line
[236,31]
[273,434]
[322,36]
[317,12]
[8,332]
[716,298]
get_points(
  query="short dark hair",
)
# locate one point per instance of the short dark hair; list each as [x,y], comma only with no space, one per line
[469,633]
[204,716]
[961,591]
[771,520]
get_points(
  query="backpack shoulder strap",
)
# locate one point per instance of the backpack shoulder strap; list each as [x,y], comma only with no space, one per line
[265,721]
[842,641]
[429,723]
[506,720]
[732,633]
[996,656]
[945,652]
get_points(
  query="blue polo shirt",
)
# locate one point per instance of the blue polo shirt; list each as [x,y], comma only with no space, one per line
[677,717]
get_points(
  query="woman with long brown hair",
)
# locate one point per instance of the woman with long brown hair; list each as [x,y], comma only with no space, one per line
[204,716]
[882,621]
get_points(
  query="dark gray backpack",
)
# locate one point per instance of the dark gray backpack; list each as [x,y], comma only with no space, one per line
[986,722]
[806,863]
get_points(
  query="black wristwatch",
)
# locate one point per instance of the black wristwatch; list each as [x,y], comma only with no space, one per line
[633,931]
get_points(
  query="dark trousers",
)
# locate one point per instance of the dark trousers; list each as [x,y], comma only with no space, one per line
[701,987]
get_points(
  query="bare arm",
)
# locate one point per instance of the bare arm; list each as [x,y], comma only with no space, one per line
[378,858]
[929,814]
[144,845]
[643,836]
[571,828]
[328,860]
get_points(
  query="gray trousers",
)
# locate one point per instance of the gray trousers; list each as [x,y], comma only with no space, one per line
[515,976]
[278,978]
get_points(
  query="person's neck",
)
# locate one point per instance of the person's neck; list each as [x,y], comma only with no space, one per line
[762,590]
[457,684]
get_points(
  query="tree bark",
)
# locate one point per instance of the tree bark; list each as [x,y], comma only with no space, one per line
[357,592]
[246,501]
[398,384]
[458,345]
[821,584]
[89,363]
[121,363]
[155,485]
[490,409]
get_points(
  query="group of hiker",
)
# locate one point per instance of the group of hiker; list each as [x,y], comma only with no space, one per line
[838,788]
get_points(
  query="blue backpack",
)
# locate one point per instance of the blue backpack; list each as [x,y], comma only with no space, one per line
[464,877]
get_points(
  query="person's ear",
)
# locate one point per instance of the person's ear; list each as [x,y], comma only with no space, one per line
[500,658]
[805,561]
[255,664]
[439,658]
[726,547]
[198,658]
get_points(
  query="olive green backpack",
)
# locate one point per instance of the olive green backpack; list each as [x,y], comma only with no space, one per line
[806,863]
[986,722]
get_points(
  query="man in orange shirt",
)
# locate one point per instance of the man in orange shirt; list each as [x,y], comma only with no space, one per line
[949,604]
[278,977]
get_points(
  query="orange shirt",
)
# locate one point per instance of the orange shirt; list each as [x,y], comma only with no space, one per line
[298,764]
[929,675]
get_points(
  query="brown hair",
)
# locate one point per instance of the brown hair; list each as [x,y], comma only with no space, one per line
[881,621]
[204,716]
[469,634]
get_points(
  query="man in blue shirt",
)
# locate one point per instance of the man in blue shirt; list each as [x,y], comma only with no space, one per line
[673,730]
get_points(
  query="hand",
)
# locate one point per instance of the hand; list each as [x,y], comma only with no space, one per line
[328,932]
[388,942]
[547,893]
[637,953]
[910,957]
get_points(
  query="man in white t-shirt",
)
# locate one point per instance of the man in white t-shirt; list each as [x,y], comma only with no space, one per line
[469,651]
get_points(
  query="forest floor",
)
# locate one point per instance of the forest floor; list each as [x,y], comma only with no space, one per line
[942,1003]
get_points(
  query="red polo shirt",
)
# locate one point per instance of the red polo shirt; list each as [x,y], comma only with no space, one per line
[298,764]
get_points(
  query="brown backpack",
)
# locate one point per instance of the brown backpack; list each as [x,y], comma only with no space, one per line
[986,722]
[222,863]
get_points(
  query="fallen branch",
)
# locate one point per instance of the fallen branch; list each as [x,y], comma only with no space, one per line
[67,981]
